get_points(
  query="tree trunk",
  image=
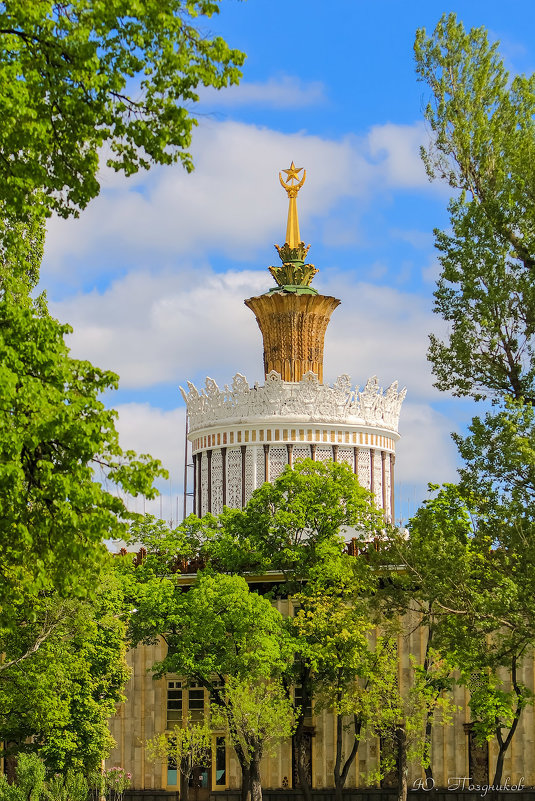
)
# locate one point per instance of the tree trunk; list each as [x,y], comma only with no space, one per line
[504,744]
[338,786]
[245,782]
[340,772]
[428,730]
[499,767]
[401,740]
[430,711]
[256,783]
[245,793]
[299,736]
[301,766]
[184,787]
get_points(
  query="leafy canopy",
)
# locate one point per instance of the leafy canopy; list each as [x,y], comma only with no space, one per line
[483,144]
[84,74]
[54,435]
[62,673]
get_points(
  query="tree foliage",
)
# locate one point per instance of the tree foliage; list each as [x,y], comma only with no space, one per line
[55,435]
[62,673]
[258,715]
[85,74]
[224,637]
[232,640]
[186,746]
[61,474]
[297,526]
[475,564]
[483,144]
[467,578]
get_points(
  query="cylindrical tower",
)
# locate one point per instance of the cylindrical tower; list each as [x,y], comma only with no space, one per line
[242,436]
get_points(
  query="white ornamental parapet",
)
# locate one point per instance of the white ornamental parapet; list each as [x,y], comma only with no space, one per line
[306,400]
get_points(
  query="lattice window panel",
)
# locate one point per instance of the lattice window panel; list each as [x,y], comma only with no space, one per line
[364,468]
[217,482]
[477,681]
[278,459]
[389,510]
[324,453]
[204,484]
[300,452]
[378,479]
[234,478]
[345,456]
[260,467]
[250,464]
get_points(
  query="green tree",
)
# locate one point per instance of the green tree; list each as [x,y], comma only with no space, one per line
[20,264]
[300,520]
[30,781]
[350,642]
[61,472]
[62,674]
[221,636]
[478,600]
[397,714]
[185,746]
[333,626]
[82,75]
[55,435]
[262,717]
[298,526]
[483,144]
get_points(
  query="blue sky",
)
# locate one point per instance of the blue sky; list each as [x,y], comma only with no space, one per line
[153,274]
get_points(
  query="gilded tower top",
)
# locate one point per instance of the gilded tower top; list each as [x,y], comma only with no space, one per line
[292,316]
[293,237]
[294,275]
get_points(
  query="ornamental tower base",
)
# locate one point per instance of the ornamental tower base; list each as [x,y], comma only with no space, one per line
[243,436]
[246,435]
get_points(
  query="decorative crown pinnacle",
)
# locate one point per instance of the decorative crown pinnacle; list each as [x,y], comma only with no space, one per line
[294,272]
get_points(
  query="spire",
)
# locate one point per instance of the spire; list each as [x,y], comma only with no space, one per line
[293,238]
[294,275]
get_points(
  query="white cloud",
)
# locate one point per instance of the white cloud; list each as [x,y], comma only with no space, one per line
[166,316]
[231,204]
[165,328]
[379,330]
[397,149]
[147,429]
[426,453]
[420,240]
[431,272]
[153,328]
[285,91]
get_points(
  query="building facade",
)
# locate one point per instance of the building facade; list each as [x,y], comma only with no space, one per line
[242,436]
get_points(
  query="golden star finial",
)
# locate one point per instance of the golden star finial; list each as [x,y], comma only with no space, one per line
[293,237]
[293,172]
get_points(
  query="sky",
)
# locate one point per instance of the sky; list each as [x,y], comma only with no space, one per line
[153,274]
